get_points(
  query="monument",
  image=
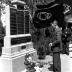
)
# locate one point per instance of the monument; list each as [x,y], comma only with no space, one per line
[17,41]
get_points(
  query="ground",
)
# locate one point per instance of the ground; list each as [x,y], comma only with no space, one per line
[66,64]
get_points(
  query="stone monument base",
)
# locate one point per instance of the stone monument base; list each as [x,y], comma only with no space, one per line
[15,63]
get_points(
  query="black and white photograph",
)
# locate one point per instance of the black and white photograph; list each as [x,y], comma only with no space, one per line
[35,35]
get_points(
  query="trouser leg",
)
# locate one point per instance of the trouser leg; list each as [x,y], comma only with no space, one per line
[56,62]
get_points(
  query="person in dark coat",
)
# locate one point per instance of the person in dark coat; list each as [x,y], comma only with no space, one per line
[56,48]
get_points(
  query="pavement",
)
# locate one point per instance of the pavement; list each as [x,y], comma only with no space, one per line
[66,63]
